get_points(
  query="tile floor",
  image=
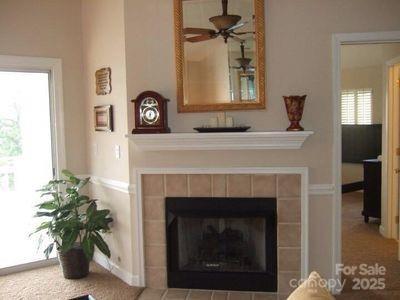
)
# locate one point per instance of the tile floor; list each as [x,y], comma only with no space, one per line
[180,294]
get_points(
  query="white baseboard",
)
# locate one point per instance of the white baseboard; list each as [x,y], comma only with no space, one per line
[125,276]
[29,266]
[382,231]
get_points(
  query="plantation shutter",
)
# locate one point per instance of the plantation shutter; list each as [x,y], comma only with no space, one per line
[364,107]
[357,107]
[348,108]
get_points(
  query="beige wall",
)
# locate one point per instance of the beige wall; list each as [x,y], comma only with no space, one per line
[352,173]
[299,61]
[205,83]
[48,28]
[121,236]
[104,46]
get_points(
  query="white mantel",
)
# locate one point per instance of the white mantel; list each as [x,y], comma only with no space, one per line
[221,141]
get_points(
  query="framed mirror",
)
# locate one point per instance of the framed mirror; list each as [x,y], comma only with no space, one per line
[220,56]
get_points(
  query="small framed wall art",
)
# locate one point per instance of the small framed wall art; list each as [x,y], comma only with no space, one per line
[103,81]
[103,118]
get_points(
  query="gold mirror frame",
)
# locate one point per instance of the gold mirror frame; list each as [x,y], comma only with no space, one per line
[260,70]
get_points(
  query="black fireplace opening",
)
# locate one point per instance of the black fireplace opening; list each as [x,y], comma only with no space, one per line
[222,243]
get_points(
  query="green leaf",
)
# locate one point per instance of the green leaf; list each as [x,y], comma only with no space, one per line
[47,193]
[48,250]
[49,205]
[101,214]
[43,214]
[67,173]
[101,244]
[44,225]
[88,247]
[82,183]
[84,198]
[72,178]
[68,239]
[71,191]
[91,209]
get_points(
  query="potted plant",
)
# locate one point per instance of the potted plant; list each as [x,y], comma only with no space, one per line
[73,224]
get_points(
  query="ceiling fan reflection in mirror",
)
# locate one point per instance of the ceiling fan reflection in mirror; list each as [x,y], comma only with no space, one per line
[225,24]
[244,62]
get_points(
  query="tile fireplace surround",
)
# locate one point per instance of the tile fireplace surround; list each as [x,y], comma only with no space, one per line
[287,186]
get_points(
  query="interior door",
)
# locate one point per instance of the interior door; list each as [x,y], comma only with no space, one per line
[26,161]
[395,82]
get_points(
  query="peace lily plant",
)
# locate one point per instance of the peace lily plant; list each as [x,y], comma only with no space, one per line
[73,223]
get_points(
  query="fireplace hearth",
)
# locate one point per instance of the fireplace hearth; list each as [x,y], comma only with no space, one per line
[222,243]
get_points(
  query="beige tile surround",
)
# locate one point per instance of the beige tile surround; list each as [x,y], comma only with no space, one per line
[285,187]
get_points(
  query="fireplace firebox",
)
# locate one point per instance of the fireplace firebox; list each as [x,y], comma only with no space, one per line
[222,243]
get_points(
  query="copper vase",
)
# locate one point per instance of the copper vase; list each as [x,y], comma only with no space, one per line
[294,109]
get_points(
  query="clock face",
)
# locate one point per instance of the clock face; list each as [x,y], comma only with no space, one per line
[149,111]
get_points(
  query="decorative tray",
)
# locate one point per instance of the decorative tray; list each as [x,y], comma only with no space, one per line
[222,129]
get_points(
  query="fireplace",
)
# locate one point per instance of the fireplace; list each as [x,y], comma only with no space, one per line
[222,243]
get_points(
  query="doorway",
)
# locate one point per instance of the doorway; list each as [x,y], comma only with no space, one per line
[363,91]
[374,131]
[30,153]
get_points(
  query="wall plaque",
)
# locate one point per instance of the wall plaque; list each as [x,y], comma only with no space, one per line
[103,81]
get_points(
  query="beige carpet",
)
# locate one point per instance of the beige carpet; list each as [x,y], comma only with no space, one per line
[362,243]
[48,283]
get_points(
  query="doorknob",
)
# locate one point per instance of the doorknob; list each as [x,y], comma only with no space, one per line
[397,171]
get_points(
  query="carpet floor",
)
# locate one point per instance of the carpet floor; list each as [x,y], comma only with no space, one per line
[363,244]
[48,283]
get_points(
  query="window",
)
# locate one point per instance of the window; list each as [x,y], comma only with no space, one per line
[357,107]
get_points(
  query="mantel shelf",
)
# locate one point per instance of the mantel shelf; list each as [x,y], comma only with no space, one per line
[270,140]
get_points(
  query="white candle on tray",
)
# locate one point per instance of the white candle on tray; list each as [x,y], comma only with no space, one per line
[229,121]
[213,122]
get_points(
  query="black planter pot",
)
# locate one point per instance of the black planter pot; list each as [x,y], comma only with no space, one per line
[74,263]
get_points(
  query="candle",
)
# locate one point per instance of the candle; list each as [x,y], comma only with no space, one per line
[213,122]
[229,121]
[222,119]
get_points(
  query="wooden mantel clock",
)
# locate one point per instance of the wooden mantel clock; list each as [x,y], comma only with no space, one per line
[151,115]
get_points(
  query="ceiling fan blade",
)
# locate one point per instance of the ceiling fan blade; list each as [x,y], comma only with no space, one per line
[246,32]
[237,26]
[201,31]
[199,38]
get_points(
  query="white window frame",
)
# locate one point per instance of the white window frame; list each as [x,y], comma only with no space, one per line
[52,66]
